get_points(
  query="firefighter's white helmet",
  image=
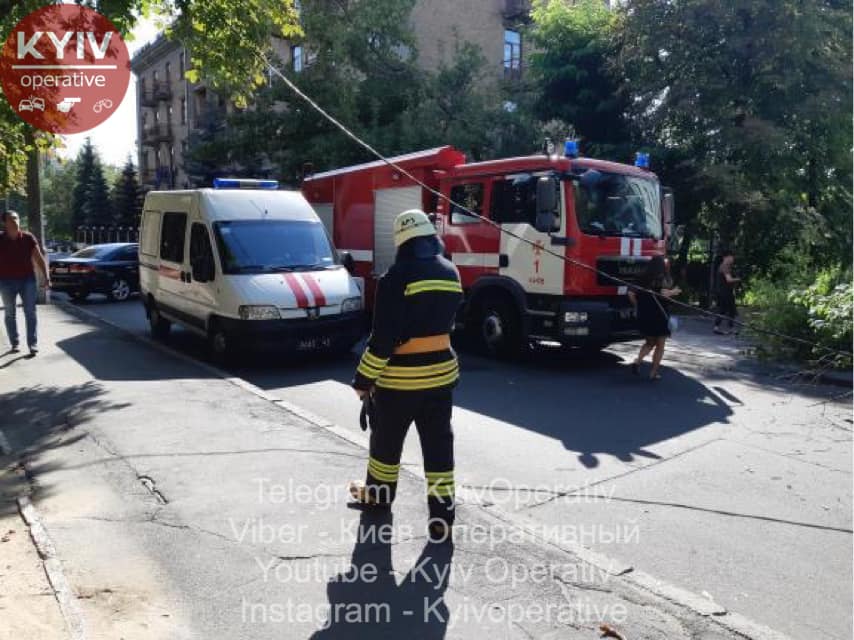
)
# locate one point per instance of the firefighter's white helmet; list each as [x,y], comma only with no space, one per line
[412,224]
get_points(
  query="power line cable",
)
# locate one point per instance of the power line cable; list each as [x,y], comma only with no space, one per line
[343,128]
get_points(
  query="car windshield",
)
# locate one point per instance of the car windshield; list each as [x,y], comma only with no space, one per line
[258,246]
[611,204]
[96,251]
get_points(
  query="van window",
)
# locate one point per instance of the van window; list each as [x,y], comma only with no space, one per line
[172,236]
[258,246]
[200,244]
[150,233]
[469,196]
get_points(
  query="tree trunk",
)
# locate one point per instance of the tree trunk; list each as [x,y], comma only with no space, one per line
[34,187]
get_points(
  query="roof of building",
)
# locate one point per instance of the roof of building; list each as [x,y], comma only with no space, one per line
[152,53]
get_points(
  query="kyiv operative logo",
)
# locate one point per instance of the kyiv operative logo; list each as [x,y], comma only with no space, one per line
[64,68]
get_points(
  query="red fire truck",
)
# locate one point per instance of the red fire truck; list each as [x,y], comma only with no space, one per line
[610,216]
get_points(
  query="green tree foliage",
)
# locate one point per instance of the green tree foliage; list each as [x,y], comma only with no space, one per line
[58,181]
[571,75]
[90,198]
[751,104]
[227,39]
[361,65]
[126,196]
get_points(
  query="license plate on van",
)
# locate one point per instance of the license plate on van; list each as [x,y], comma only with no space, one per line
[310,344]
[60,269]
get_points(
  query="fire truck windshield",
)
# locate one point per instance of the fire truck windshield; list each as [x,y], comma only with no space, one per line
[261,246]
[611,204]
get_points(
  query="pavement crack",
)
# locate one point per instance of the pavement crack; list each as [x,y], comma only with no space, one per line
[587,487]
[796,457]
[193,528]
[732,514]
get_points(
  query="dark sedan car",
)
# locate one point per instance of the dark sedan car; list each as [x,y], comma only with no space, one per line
[111,269]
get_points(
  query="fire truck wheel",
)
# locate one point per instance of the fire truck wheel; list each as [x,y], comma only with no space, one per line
[497,329]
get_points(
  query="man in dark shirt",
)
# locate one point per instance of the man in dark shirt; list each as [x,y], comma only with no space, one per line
[20,254]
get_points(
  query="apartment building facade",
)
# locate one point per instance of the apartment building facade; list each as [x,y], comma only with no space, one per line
[170,108]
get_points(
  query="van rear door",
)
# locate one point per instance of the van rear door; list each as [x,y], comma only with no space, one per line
[149,252]
[173,271]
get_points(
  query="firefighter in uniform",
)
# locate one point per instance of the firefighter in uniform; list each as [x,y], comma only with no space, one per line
[408,369]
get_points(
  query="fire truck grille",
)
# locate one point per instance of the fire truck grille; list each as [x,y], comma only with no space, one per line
[626,268]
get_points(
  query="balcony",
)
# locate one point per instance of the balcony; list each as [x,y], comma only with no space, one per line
[154,135]
[159,178]
[150,96]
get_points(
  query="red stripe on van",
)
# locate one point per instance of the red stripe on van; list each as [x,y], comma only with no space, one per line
[316,291]
[299,294]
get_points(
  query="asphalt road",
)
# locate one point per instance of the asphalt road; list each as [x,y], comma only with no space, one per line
[739,483]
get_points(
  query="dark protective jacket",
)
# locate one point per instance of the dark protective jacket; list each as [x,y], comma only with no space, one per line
[417,297]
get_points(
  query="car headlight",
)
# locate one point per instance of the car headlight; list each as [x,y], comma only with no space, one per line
[351,304]
[258,312]
[575,316]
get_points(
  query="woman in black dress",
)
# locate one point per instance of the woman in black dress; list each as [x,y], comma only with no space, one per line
[653,320]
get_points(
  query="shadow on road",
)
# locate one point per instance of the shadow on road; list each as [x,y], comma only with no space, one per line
[368,602]
[34,419]
[593,405]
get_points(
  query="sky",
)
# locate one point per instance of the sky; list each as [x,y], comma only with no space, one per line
[115,138]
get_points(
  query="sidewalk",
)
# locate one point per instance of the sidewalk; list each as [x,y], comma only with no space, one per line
[183,506]
[28,609]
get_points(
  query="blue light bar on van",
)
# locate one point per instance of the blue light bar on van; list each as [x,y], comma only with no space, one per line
[642,160]
[243,183]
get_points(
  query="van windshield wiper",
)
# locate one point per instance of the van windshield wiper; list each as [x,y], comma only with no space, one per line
[307,267]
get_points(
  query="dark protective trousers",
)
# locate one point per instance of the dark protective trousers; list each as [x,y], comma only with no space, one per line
[394,411]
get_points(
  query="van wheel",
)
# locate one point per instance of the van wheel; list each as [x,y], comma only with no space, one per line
[158,325]
[119,290]
[496,329]
[219,344]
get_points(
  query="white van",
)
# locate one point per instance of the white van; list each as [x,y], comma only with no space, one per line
[245,265]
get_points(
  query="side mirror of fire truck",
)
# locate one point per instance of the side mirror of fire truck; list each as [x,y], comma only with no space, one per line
[348,261]
[547,205]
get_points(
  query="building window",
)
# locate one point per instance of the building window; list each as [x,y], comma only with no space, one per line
[183,111]
[182,63]
[169,114]
[156,77]
[168,73]
[512,54]
[296,58]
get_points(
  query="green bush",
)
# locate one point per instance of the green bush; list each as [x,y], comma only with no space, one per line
[819,312]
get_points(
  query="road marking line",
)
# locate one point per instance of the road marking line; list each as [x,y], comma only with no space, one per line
[698,604]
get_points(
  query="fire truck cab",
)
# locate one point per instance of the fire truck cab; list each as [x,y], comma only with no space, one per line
[537,269]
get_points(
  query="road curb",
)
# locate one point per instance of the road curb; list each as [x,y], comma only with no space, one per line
[53,568]
[695,603]
[65,597]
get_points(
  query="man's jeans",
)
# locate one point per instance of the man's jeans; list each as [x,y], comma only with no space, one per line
[10,289]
